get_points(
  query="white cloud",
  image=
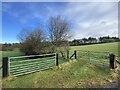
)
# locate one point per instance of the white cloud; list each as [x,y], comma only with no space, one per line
[93,19]
[88,18]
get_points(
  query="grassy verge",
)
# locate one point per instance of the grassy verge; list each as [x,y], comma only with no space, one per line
[71,74]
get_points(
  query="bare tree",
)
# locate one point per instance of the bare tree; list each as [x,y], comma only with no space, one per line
[59,33]
[31,41]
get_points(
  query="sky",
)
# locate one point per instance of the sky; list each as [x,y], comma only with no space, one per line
[88,19]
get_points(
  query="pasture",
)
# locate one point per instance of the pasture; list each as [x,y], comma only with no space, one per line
[80,73]
[16,52]
[107,47]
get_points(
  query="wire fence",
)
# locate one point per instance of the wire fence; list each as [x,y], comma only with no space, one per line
[28,64]
[93,57]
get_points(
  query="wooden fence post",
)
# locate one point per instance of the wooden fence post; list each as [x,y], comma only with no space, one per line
[5,71]
[75,54]
[57,59]
[68,55]
[111,60]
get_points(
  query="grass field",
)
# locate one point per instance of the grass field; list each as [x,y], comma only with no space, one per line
[73,74]
[16,52]
[107,47]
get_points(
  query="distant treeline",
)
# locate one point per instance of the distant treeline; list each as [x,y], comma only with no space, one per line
[75,42]
[92,40]
[9,46]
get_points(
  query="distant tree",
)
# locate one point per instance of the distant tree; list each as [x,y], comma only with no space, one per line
[106,39]
[84,40]
[31,41]
[101,39]
[7,47]
[59,34]
[90,39]
[76,42]
[94,40]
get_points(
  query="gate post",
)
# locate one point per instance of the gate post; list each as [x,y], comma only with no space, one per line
[111,61]
[75,54]
[5,71]
[57,59]
[68,55]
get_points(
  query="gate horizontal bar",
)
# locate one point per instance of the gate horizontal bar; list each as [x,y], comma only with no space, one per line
[32,63]
[32,71]
[38,64]
[30,60]
[32,56]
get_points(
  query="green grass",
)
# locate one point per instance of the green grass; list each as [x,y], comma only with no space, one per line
[107,47]
[70,74]
[15,52]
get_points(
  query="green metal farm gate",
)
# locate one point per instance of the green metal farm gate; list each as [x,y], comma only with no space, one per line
[21,65]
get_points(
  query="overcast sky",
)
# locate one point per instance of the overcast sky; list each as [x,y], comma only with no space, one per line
[93,19]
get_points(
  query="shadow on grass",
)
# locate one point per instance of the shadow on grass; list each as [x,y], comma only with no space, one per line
[104,69]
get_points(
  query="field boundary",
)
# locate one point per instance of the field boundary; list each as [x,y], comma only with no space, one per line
[22,65]
[105,58]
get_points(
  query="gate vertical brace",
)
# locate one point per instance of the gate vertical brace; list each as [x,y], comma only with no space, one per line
[5,71]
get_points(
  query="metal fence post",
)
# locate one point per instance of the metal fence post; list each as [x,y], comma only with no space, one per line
[5,71]
[75,54]
[57,59]
[111,61]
